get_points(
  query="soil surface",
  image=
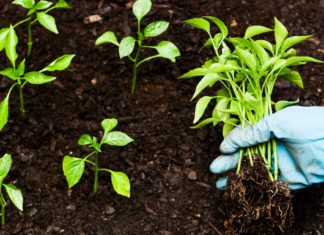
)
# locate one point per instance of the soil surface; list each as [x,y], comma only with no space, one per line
[172,189]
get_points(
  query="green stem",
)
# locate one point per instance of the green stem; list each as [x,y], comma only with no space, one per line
[275,157]
[3,205]
[21,99]
[135,66]
[21,22]
[30,38]
[239,162]
[96,176]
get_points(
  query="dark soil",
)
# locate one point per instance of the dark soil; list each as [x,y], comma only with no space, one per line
[172,189]
[255,204]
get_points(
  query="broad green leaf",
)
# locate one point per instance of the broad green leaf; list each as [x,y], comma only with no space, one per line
[207,81]
[204,123]
[217,39]
[24,3]
[11,43]
[15,195]
[120,183]
[266,45]
[167,50]
[38,78]
[222,94]
[109,124]
[234,108]
[251,102]
[59,64]
[107,37]
[221,25]
[240,42]
[73,169]
[291,52]
[297,60]
[219,111]
[42,5]
[201,107]
[3,37]
[117,138]
[62,4]
[255,30]
[229,125]
[280,32]
[85,139]
[219,68]
[199,23]
[197,72]
[21,68]
[284,103]
[4,111]
[5,165]
[126,46]
[47,21]
[247,58]
[261,53]
[10,73]
[156,28]
[293,77]
[291,41]
[141,8]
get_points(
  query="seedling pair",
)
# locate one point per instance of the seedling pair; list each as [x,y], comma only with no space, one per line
[129,44]
[73,167]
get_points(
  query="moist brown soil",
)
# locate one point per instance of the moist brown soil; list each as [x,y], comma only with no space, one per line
[173,191]
[255,204]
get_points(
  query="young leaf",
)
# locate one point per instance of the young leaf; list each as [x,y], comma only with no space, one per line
[291,41]
[21,68]
[42,5]
[167,50]
[255,30]
[38,78]
[156,28]
[201,107]
[117,138]
[221,25]
[197,72]
[141,8]
[120,183]
[217,39]
[109,124]
[293,77]
[208,80]
[203,123]
[15,195]
[62,4]
[11,43]
[247,58]
[107,37]
[199,23]
[229,125]
[219,110]
[266,45]
[261,52]
[3,37]
[4,111]
[73,169]
[280,33]
[297,60]
[5,165]
[24,3]
[284,103]
[59,64]
[251,102]
[85,139]
[47,21]
[10,73]
[126,46]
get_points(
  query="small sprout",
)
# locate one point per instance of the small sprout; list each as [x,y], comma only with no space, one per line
[130,45]
[73,167]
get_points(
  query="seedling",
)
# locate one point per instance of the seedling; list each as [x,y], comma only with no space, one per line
[165,49]
[247,71]
[38,12]
[13,192]
[73,167]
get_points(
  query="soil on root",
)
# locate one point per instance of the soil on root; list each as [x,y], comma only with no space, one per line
[257,205]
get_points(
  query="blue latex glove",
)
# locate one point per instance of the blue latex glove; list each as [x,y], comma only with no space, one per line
[300,144]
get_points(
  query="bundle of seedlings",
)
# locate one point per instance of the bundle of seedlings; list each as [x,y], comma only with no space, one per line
[246,71]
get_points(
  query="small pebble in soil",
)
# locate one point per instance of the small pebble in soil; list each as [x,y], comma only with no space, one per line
[192,175]
[109,210]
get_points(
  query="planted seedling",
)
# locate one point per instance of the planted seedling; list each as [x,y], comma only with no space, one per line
[73,167]
[38,13]
[247,70]
[13,192]
[129,44]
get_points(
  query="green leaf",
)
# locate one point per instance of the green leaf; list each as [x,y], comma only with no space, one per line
[107,37]
[38,78]
[266,45]
[199,23]
[293,77]
[42,5]
[204,123]
[5,165]
[207,81]
[73,169]
[62,4]
[10,73]
[220,108]
[291,41]
[217,39]
[120,183]
[15,195]
[156,28]
[219,68]
[261,52]
[221,25]
[229,125]
[117,138]
[126,46]
[24,3]
[3,37]
[109,124]
[251,102]
[21,68]
[255,30]
[47,21]
[284,103]
[280,33]
[59,64]
[297,60]
[201,107]
[141,8]
[11,43]
[167,50]
[95,144]
[4,111]
[247,58]
[197,72]
[85,139]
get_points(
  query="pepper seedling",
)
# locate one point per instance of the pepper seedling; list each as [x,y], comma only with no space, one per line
[247,70]
[38,12]
[73,167]
[13,192]
[165,49]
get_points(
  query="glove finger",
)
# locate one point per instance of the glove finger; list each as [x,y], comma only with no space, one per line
[224,163]
[221,183]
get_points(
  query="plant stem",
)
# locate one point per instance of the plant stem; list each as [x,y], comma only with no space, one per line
[96,176]
[135,66]
[3,205]
[275,157]
[239,162]
[21,99]
[30,38]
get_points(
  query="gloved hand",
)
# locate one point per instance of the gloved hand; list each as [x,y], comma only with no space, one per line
[300,144]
